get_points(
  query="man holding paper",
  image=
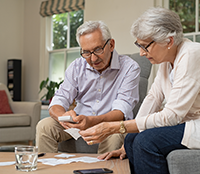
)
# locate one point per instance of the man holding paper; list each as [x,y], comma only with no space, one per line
[104,85]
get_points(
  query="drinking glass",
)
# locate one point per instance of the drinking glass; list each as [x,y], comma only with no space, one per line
[26,158]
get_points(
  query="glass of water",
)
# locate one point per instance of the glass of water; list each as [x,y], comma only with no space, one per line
[26,158]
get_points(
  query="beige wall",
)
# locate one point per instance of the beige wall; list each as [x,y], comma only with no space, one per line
[20,38]
[31,49]
[11,33]
[22,34]
[119,16]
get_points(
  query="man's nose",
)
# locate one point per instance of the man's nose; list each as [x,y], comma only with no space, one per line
[93,57]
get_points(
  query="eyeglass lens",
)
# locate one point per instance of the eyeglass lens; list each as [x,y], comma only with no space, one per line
[97,51]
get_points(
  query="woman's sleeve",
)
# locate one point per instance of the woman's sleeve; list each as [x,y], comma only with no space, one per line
[152,102]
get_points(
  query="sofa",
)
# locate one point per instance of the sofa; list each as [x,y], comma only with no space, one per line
[184,161]
[21,124]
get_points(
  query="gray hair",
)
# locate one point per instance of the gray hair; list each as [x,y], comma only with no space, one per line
[158,24]
[91,26]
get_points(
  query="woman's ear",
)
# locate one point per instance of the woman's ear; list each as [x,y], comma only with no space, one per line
[171,42]
[112,45]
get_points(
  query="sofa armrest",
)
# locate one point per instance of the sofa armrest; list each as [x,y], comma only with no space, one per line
[184,161]
[30,108]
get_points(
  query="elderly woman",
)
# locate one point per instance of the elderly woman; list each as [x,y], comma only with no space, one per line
[156,132]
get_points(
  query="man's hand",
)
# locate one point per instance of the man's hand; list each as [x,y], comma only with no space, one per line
[82,122]
[71,113]
[121,153]
[98,133]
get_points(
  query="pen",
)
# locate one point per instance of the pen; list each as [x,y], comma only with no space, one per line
[41,154]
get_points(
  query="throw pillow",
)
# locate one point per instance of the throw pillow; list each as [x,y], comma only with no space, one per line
[4,105]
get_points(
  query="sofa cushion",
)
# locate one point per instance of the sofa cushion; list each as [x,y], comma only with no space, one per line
[4,105]
[14,120]
[184,161]
[145,66]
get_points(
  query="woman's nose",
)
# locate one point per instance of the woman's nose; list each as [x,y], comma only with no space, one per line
[142,52]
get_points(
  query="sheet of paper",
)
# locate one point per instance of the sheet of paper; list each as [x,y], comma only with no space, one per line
[64,155]
[74,132]
[46,159]
[86,159]
[54,161]
[7,163]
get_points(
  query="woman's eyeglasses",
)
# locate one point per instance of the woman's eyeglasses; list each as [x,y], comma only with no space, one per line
[144,48]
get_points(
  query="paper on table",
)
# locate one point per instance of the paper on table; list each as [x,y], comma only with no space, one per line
[7,163]
[64,155]
[54,161]
[86,159]
[46,159]
[74,132]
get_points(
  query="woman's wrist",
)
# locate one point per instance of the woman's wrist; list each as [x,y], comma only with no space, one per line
[114,127]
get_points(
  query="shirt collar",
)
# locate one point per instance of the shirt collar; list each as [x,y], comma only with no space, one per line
[114,62]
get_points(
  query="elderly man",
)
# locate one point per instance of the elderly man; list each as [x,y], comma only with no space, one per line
[104,85]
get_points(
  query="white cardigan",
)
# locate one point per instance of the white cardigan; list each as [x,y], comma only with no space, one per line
[182,98]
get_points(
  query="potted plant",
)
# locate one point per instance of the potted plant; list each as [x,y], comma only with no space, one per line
[50,86]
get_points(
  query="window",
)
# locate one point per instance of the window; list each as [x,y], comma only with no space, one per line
[189,14]
[64,47]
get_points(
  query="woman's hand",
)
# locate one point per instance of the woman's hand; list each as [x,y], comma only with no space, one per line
[97,133]
[121,153]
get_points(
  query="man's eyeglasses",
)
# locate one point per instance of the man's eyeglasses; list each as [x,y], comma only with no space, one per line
[144,48]
[97,51]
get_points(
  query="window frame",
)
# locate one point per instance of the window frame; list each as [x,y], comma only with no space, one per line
[64,50]
[197,17]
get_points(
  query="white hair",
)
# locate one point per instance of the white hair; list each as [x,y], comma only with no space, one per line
[158,24]
[91,26]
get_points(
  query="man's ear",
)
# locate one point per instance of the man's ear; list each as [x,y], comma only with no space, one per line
[112,45]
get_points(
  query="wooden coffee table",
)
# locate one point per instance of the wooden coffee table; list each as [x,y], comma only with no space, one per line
[118,166]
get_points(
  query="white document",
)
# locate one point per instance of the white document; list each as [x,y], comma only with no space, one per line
[54,161]
[64,155]
[7,163]
[74,132]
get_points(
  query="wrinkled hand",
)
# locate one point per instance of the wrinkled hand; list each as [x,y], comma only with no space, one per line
[82,122]
[97,133]
[72,113]
[121,153]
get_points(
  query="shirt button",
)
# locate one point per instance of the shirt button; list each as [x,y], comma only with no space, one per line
[99,90]
[93,113]
[97,101]
[101,77]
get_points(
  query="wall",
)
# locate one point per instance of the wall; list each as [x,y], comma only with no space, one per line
[11,34]
[20,38]
[31,49]
[119,16]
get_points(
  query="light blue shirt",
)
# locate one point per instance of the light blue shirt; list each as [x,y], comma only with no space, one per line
[116,88]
